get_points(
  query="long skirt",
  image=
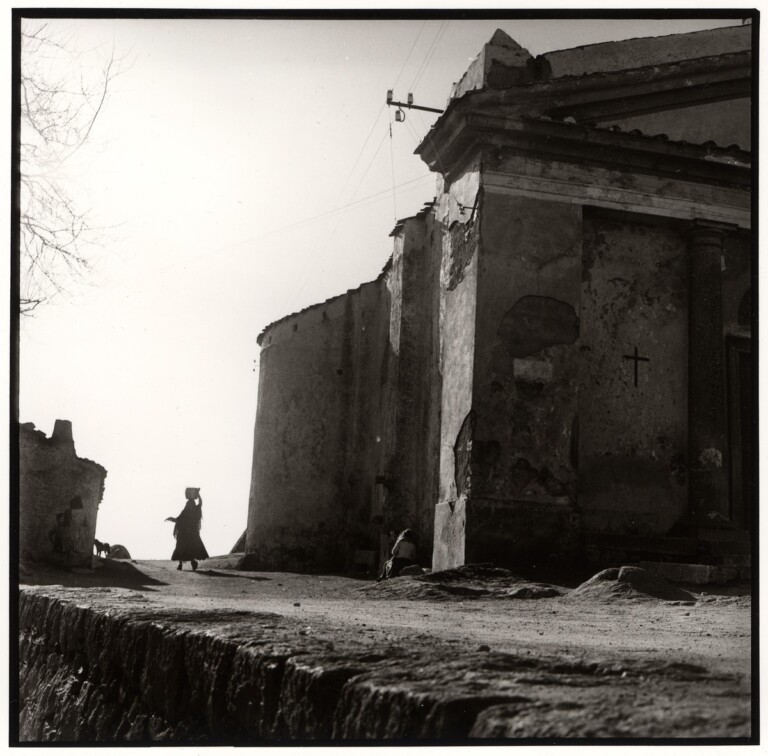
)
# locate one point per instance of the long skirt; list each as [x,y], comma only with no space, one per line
[189,546]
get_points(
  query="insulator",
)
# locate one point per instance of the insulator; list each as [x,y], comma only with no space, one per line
[410,98]
[389,96]
[399,115]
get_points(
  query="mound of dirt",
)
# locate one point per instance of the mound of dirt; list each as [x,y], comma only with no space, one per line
[470,581]
[633,583]
[473,573]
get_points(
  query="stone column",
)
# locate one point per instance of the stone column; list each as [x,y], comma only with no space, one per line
[707,416]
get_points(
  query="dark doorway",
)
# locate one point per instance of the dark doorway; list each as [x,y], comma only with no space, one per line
[742,422]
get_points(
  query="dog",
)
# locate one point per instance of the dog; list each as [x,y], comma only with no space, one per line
[105,547]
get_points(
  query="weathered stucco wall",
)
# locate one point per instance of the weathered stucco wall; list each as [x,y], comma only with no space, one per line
[633,438]
[526,356]
[315,457]
[412,435]
[458,303]
[507,469]
[59,497]
[523,471]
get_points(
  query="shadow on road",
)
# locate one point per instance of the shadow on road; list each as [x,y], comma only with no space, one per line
[216,573]
[109,573]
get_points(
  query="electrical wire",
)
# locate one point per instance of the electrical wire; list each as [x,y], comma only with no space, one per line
[340,210]
[428,56]
[305,274]
[319,257]
[408,57]
[413,133]
[357,204]
[308,272]
[434,50]
[359,154]
[365,173]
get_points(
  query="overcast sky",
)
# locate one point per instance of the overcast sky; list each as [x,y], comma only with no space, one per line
[239,171]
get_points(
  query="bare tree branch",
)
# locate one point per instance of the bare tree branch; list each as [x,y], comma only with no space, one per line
[61,100]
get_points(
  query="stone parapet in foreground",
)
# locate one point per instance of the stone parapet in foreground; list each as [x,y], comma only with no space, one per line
[107,665]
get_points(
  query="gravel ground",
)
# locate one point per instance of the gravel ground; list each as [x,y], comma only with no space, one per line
[603,660]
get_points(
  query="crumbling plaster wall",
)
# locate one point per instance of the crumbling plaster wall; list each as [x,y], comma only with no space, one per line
[525,360]
[457,211]
[53,481]
[523,468]
[509,314]
[315,451]
[413,386]
[632,438]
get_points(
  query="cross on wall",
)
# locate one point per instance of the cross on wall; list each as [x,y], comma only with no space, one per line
[636,360]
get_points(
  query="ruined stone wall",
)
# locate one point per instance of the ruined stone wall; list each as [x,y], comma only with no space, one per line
[315,451]
[59,496]
[523,470]
[413,439]
[633,438]
[458,304]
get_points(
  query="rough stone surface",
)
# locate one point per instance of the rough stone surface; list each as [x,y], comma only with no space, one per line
[633,473]
[59,496]
[140,653]
[629,583]
[695,574]
[315,456]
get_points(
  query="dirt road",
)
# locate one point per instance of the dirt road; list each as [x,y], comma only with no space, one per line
[565,666]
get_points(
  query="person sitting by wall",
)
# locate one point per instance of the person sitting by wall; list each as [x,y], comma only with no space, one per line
[403,555]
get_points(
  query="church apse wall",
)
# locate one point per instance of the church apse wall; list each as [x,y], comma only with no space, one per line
[315,457]
[633,391]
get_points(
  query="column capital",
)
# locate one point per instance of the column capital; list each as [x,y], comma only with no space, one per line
[699,230]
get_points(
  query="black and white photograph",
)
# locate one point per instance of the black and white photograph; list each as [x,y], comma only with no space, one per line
[383,377]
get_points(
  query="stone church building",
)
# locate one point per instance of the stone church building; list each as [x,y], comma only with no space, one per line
[555,363]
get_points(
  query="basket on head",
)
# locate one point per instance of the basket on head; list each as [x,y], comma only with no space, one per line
[192,493]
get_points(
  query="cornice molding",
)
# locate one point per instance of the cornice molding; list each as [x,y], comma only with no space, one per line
[514,118]
[721,207]
[479,133]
